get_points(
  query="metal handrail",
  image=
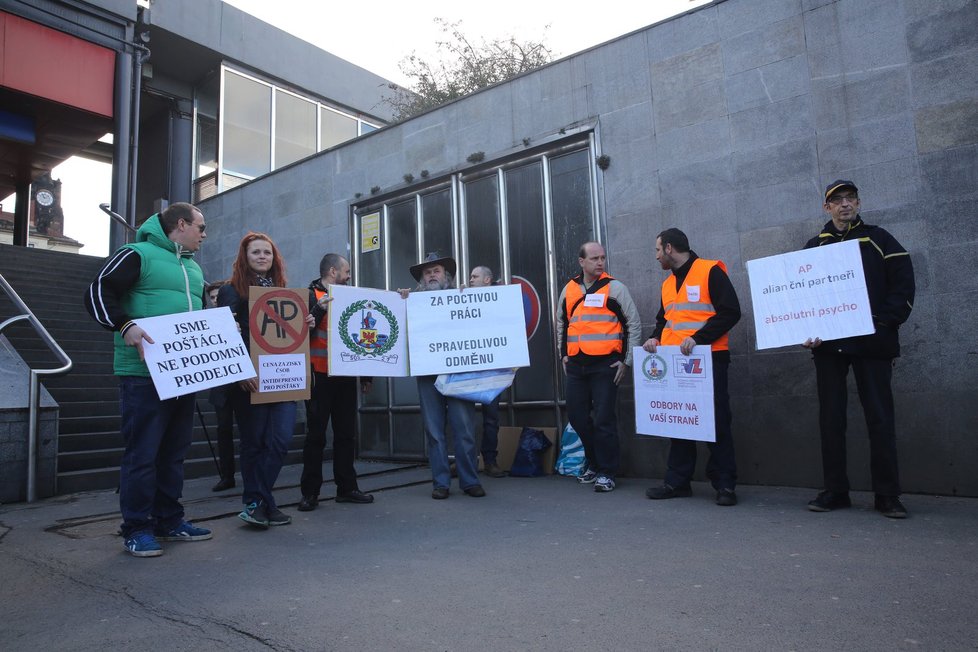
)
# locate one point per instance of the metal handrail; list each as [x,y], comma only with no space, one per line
[130,229]
[34,395]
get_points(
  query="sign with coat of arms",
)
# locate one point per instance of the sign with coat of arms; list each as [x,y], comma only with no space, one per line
[366,332]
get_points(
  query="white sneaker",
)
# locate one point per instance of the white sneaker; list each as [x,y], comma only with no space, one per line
[604,483]
[587,477]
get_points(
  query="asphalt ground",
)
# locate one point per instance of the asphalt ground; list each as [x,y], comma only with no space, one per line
[538,564]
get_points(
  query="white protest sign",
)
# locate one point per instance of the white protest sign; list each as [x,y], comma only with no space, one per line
[819,292]
[281,372]
[674,393]
[367,332]
[194,351]
[467,330]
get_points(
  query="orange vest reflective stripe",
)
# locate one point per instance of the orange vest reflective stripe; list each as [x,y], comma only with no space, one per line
[688,309]
[591,330]
[317,342]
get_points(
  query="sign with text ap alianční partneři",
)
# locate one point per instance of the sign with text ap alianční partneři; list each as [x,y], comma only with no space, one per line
[192,351]
[819,292]
[280,343]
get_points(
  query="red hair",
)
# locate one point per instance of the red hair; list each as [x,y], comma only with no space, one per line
[241,275]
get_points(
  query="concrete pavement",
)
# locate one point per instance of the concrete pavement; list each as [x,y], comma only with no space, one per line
[539,564]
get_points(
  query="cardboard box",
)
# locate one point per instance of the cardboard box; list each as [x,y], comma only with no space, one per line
[509,439]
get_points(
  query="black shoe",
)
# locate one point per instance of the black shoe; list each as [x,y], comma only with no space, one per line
[439,493]
[668,491]
[355,496]
[278,517]
[890,507]
[476,491]
[255,514]
[826,501]
[726,498]
[308,503]
[493,471]
[224,484]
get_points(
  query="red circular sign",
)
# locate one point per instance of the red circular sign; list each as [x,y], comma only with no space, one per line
[531,305]
[263,307]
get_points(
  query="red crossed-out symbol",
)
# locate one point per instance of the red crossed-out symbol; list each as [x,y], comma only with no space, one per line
[268,307]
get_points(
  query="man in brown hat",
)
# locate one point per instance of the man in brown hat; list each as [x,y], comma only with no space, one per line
[438,411]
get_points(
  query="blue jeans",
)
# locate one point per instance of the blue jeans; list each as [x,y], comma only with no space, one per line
[490,431]
[266,430]
[438,410]
[592,397]
[721,469]
[157,435]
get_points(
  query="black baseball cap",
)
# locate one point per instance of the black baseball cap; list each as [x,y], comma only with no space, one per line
[838,185]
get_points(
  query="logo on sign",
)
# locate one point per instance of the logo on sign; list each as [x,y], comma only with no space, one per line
[690,366]
[654,368]
[368,328]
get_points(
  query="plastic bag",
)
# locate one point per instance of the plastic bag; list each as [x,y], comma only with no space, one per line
[571,460]
[528,459]
[476,386]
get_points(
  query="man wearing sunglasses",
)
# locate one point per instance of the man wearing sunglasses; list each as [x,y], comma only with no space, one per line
[155,275]
[890,285]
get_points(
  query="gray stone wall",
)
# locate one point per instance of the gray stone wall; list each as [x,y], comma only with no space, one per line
[727,122]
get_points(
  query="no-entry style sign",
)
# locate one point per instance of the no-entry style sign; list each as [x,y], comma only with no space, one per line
[279,343]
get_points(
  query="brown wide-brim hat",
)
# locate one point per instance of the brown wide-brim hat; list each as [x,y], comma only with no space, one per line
[434,258]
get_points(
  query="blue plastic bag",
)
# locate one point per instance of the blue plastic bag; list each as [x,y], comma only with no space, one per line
[527,462]
[571,460]
[476,386]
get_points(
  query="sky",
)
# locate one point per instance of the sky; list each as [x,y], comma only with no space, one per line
[378,42]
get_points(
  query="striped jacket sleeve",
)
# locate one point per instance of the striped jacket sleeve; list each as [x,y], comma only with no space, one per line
[103,300]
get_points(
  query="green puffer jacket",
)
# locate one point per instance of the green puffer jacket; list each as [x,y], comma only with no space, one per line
[170,281]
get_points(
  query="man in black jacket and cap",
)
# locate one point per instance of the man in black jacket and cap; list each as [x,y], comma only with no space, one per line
[890,285]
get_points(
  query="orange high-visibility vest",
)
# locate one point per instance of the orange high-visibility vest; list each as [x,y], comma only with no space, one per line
[688,309]
[592,330]
[317,342]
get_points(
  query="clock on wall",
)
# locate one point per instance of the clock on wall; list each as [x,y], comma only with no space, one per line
[44,198]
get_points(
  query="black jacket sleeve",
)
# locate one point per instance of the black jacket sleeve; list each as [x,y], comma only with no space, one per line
[900,284]
[103,300]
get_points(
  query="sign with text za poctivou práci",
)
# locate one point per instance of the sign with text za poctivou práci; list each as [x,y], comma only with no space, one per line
[474,329]
[279,343]
[193,351]
[819,292]
[367,332]
[674,393]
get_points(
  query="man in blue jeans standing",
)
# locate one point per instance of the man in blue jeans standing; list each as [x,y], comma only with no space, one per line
[156,275]
[597,327]
[481,276]
[438,411]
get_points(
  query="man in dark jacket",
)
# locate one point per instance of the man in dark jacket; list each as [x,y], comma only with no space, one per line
[890,285]
[333,397]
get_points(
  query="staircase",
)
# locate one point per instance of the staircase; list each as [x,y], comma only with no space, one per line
[90,448]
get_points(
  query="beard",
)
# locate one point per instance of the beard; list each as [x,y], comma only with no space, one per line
[435,284]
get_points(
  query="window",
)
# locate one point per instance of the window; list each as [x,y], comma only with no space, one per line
[336,128]
[247,126]
[295,128]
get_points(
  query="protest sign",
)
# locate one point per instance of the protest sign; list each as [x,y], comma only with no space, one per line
[279,343]
[467,330]
[819,292]
[367,332]
[194,351]
[674,393]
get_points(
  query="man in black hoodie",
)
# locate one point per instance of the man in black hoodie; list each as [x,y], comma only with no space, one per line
[890,285]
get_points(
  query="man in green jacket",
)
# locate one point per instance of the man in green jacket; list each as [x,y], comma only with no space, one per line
[156,275]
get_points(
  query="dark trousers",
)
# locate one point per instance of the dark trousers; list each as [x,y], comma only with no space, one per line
[721,469]
[490,431]
[332,397]
[157,435]
[873,376]
[591,409]
[266,430]
[220,398]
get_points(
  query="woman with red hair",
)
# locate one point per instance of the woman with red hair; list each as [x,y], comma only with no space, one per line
[267,428]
